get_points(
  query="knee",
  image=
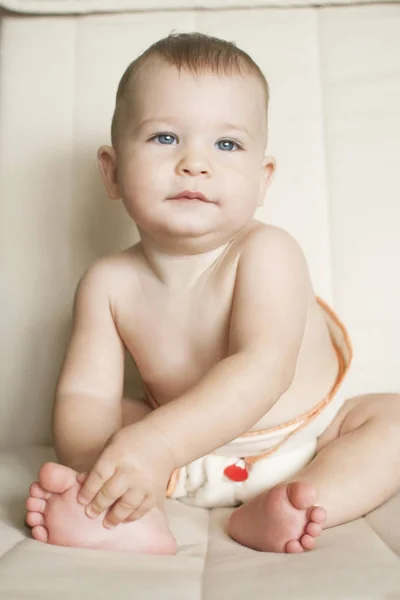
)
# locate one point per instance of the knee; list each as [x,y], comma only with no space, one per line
[382,409]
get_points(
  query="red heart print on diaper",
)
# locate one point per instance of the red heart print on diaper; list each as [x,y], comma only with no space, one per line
[237,472]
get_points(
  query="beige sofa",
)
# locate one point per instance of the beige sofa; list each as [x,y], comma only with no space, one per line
[334,73]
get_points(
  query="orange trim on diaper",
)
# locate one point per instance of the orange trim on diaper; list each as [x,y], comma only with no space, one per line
[172,483]
[309,416]
[305,418]
[343,368]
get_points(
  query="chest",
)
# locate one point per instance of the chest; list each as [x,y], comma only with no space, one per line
[175,338]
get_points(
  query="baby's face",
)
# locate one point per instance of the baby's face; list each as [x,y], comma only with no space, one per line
[202,133]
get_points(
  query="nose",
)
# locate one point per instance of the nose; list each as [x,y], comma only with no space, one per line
[193,163]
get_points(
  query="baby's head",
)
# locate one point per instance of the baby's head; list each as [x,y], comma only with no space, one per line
[190,115]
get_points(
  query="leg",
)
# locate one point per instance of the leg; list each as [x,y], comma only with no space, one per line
[359,453]
[57,518]
[356,468]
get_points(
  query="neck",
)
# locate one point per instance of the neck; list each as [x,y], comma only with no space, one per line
[180,270]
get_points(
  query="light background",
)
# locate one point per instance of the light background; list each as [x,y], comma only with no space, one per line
[334,75]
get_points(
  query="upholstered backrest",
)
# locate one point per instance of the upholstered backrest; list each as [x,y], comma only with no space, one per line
[334,128]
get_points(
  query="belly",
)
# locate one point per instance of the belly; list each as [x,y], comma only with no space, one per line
[173,374]
[303,395]
[316,374]
[309,387]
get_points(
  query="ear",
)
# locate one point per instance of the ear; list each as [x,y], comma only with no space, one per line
[108,167]
[268,172]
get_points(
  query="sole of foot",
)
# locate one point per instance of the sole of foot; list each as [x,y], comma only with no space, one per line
[56,517]
[283,519]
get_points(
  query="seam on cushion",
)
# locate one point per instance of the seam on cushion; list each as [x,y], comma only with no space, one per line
[39,7]
[202,595]
[375,532]
[322,95]
[72,279]
[10,550]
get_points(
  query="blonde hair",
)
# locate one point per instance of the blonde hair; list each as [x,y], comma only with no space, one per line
[195,52]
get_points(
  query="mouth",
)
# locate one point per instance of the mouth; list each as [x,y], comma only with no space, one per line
[187,195]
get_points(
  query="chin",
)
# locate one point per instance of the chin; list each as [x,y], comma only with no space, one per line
[189,227]
[192,231]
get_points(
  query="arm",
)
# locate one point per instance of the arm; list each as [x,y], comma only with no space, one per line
[268,318]
[89,390]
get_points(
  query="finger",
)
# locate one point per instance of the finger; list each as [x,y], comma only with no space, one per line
[147,504]
[81,477]
[101,472]
[112,490]
[128,503]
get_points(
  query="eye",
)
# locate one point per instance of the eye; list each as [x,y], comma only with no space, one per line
[167,139]
[228,145]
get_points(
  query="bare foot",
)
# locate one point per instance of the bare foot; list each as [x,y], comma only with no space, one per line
[57,518]
[284,519]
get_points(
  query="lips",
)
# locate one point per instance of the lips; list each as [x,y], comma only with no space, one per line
[187,195]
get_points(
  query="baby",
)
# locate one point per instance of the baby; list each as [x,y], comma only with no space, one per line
[241,364]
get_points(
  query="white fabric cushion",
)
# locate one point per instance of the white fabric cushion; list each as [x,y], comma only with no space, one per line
[357,560]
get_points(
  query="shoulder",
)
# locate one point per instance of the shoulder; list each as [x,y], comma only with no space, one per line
[112,267]
[263,243]
[108,274]
[272,290]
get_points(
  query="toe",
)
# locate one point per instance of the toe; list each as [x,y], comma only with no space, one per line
[37,491]
[34,518]
[317,514]
[293,547]
[56,478]
[36,504]
[40,533]
[301,494]
[307,541]
[313,529]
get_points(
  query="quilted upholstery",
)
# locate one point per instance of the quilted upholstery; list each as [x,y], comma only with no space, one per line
[335,129]
[357,560]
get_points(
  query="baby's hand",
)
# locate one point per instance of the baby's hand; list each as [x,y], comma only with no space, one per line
[132,472]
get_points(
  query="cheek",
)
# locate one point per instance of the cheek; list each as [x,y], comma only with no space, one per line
[142,177]
[243,183]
